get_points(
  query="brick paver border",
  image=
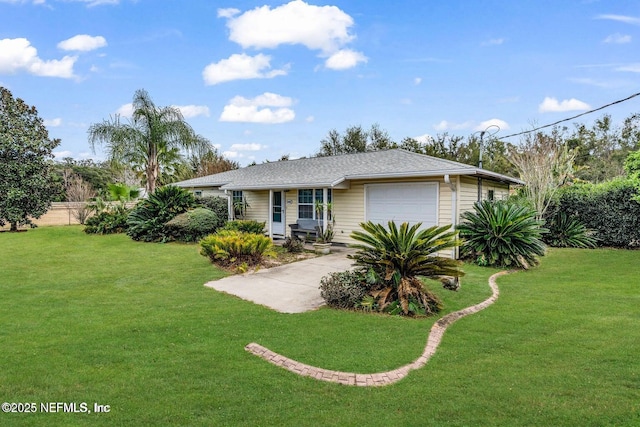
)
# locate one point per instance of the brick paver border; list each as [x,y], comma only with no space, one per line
[381,378]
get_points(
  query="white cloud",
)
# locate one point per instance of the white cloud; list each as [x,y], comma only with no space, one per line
[501,124]
[344,59]
[18,54]
[634,68]
[492,42]
[471,125]
[189,111]
[53,122]
[423,138]
[417,81]
[256,110]
[83,43]
[62,154]
[617,38]
[621,18]
[247,147]
[445,125]
[228,12]
[125,111]
[552,105]
[240,66]
[324,28]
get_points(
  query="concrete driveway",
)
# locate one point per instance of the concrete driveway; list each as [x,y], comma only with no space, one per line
[289,288]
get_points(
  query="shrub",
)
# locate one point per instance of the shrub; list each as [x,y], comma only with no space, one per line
[146,221]
[193,225]
[245,226]
[234,248]
[609,209]
[344,289]
[293,245]
[502,234]
[108,222]
[219,205]
[568,232]
[394,258]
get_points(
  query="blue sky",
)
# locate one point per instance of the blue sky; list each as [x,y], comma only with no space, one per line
[261,79]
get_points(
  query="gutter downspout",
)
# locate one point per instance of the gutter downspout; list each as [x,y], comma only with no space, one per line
[454,208]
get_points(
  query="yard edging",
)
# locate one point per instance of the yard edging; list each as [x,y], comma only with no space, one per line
[382,378]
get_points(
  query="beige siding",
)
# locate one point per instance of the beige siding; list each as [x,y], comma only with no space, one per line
[258,205]
[207,191]
[291,209]
[348,209]
[469,192]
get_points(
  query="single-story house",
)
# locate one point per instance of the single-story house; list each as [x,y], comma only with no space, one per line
[379,186]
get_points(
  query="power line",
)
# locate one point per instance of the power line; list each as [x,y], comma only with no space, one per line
[574,117]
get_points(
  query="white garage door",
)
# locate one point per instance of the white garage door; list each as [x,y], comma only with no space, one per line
[402,202]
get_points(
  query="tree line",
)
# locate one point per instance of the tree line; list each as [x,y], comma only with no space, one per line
[157,147]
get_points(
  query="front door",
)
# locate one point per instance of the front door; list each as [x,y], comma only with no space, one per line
[277,214]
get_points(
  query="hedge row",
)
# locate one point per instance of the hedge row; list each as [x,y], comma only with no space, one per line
[609,209]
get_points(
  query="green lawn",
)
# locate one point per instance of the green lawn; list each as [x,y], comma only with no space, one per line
[103,319]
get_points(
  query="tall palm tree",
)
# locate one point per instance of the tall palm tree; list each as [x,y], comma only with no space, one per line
[151,140]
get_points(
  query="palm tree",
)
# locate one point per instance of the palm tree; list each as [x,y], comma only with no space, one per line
[395,258]
[151,140]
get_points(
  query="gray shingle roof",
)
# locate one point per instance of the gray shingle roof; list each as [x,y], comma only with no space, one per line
[331,171]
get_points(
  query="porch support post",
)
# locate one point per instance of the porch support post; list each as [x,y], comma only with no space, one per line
[270,214]
[325,208]
[454,208]
[229,204]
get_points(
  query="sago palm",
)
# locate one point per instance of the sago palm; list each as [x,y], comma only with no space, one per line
[398,256]
[568,232]
[502,234]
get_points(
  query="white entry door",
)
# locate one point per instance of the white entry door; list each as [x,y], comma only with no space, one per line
[277,214]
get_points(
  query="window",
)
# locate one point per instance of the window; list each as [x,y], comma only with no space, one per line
[237,197]
[306,202]
[491,195]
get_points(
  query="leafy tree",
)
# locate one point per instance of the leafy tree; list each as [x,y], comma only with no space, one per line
[151,141]
[97,174]
[632,165]
[545,163]
[25,168]
[457,149]
[355,140]
[394,258]
[632,169]
[602,148]
[78,192]
[206,160]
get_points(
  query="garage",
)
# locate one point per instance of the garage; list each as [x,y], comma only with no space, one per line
[410,202]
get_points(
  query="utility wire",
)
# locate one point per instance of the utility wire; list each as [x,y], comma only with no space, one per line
[574,117]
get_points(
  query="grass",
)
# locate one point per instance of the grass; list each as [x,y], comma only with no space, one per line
[108,320]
